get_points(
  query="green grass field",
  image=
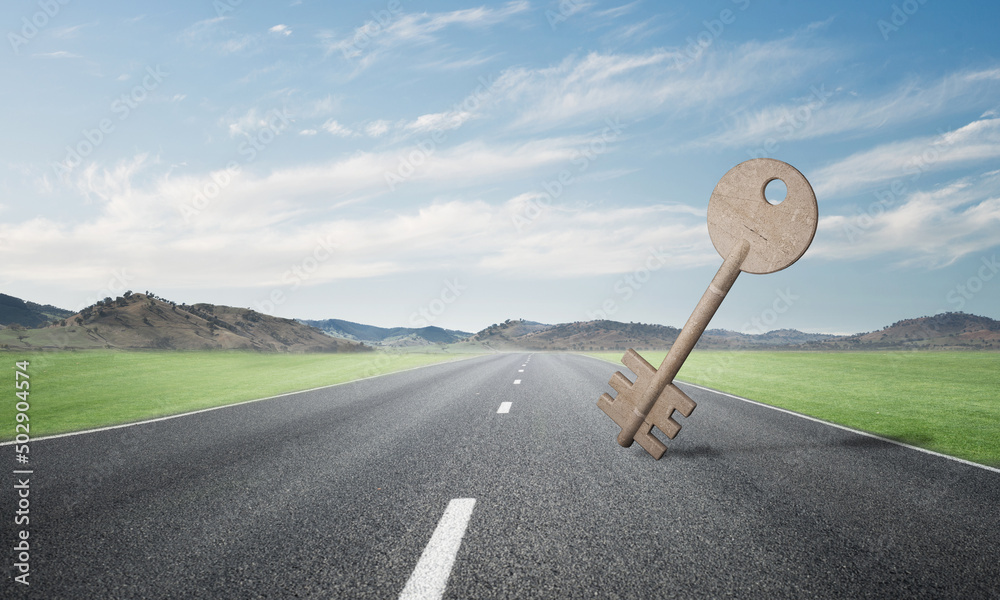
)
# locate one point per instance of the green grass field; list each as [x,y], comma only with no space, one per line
[71,391]
[948,402]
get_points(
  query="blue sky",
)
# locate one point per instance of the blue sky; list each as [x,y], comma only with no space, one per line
[405,163]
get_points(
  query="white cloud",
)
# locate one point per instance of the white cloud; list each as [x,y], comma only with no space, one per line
[334,128]
[420,26]
[904,160]
[250,230]
[280,30]
[457,63]
[257,225]
[443,121]
[929,228]
[377,128]
[248,123]
[308,132]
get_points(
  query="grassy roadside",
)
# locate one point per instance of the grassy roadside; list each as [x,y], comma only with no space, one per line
[948,402]
[71,391]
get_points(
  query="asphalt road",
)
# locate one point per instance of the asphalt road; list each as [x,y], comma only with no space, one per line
[336,493]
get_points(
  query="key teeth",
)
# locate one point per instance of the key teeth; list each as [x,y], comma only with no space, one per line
[638,365]
[620,382]
[616,409]
[620,412]
[606,403]
[649,442]
[681,401]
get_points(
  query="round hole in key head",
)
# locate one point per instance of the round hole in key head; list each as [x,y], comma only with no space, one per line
[775,191]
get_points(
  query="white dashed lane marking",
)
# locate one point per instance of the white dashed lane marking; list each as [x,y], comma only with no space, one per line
[517,381]
[504,408]
[430,577]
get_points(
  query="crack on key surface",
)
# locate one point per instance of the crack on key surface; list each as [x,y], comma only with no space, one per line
[755,232]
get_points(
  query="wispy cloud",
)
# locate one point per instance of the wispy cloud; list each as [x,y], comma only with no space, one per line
[334,128]
[618,11]
[633,32]
[455,64]
[642,84]
[569,8]
[377,128]
[906,159]
[58,54]
[211,34]
[71,31]
[819,112]
[322,107]
[443,121]
[367,42]
[248,123]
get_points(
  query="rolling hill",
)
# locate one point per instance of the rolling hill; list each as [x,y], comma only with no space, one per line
[143,321]
[951,330]
[391,337]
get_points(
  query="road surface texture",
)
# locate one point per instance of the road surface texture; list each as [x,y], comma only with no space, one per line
[338,492]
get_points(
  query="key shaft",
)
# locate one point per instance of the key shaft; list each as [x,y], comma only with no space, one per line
[686,340]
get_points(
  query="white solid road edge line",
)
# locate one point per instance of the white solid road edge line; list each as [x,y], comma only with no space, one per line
[844,427]
[821,421]
[504,408]
[430,577]
[211,408]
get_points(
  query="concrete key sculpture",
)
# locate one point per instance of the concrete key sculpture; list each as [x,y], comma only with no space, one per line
[753,235]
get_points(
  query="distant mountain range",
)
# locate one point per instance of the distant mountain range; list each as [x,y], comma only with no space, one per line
[392,336]
[613,335]
[942,331]
[146,321]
